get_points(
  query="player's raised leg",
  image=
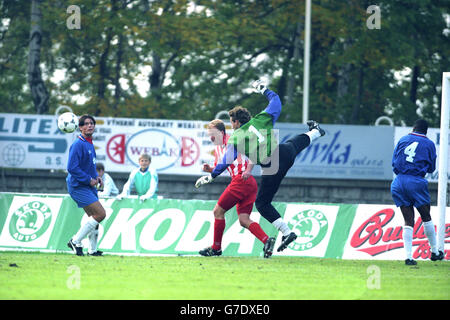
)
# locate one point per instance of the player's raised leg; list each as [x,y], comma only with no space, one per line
[301,141]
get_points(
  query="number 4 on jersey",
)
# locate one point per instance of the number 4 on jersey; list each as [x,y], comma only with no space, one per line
[410,151]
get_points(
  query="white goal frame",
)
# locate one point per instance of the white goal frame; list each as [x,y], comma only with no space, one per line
[443,158]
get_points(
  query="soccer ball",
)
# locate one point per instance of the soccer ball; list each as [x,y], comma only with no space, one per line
[67,122]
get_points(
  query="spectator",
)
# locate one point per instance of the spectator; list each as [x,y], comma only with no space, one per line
[109,187]
[144,180]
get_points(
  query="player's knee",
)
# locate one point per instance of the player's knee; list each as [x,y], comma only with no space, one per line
[218,213]
[425,216]
[244,221]
[100,215]
[409,223]
[409,220]
[424,212]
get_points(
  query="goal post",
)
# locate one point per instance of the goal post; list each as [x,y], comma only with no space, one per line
[443,158]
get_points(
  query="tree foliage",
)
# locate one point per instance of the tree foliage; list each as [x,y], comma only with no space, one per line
[181,59]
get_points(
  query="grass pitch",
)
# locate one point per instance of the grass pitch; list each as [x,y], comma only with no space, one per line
[26,275]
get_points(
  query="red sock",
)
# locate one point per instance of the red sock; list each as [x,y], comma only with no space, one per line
[255,228]
[219,227]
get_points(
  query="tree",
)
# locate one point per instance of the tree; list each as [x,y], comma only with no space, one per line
[38,90]
[196,58]
[14,32]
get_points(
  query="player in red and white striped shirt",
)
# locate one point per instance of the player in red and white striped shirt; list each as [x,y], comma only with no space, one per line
[241,192]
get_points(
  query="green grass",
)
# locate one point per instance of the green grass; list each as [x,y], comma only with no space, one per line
[49,276]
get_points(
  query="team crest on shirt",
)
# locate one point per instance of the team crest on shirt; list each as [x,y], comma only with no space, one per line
[310,226]
[30,221]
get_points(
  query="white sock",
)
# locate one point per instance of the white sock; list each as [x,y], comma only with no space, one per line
[93,239]
[282,226]
[431,235]
[313,134]
[85,230]
[407,240]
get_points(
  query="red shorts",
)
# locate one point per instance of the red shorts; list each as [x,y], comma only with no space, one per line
[240,193]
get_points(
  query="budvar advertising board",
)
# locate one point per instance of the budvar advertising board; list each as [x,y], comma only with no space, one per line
[181,147]
[376,233]
[183,227]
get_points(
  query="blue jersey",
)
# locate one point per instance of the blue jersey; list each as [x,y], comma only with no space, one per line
[81,163]
[414,155]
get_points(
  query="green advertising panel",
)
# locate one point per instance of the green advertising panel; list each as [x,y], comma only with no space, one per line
[167,226]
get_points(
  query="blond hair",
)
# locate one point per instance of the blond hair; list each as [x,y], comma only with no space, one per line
[145,156]
[218,124]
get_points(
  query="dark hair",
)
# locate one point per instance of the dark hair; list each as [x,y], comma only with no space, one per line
[420,126]
[241,114]
[83,118]
[99,166]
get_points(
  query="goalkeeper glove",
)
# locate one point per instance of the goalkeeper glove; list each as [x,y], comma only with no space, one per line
[259,86]
[204,180]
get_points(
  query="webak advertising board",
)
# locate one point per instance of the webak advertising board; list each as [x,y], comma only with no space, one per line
[183,227]
[176,147]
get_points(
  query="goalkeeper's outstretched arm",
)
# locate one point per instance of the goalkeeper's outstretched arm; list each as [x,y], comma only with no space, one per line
[274,106]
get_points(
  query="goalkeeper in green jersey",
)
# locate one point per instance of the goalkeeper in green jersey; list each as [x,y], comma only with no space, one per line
[143,179]
[256,138]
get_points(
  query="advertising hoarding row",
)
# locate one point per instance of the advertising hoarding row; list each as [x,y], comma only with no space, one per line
[181,147]
[183,227]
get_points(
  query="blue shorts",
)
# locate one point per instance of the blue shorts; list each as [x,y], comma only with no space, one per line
[410,191]
[83,196]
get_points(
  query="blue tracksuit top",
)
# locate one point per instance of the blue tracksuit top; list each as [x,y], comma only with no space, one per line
[81,163]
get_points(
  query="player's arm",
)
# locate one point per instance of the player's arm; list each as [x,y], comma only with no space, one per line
[433,157]
[107,186]
[394,157]
[153,185]
[207,168]
[228,158]
[73,167]
[248,172]
[274,106]
[127,186]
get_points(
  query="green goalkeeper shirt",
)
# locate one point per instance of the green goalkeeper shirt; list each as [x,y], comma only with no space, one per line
[256,139]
